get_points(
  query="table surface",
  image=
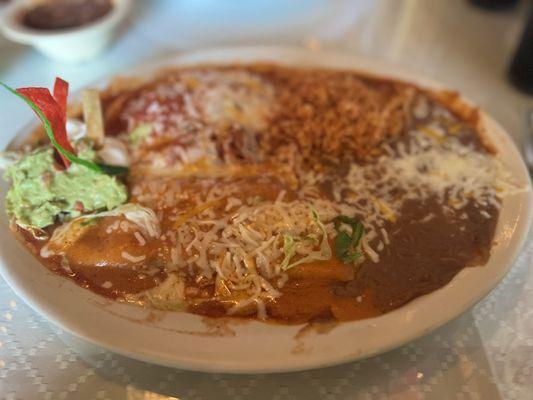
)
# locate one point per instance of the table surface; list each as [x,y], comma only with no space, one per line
[487,353]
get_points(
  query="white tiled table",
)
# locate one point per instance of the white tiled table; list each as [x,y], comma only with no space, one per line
[487,353]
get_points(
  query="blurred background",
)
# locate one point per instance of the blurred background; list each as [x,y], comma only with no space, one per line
[457,42]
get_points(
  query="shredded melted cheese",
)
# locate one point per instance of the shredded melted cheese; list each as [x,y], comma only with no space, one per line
[247,250]
[67,234]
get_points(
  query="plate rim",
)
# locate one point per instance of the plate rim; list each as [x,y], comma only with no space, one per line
[22,288]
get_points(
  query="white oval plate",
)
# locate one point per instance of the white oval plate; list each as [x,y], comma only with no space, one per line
[187,341]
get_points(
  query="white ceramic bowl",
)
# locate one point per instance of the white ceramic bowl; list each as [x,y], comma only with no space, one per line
[69,45]
[188,341]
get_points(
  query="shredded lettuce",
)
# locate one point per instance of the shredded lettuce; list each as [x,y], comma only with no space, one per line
[289,249]
[291,244]
[139,134]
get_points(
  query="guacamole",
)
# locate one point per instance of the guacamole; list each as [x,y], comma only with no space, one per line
[40,192]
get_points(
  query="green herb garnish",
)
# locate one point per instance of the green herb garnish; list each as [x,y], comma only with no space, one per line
[347,243]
